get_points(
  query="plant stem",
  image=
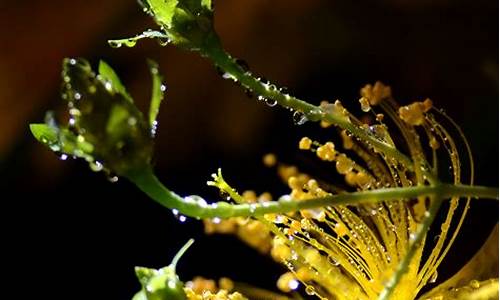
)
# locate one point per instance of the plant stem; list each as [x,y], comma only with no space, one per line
[413,246]
[225,62]
[149,184]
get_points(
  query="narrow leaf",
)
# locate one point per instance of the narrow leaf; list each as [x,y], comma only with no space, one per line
[44,133]
[108,74]
[157,93]
[163,10]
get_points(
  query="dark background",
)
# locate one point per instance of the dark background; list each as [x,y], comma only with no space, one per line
[68,233]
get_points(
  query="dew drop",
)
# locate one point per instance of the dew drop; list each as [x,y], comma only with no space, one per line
[163,41]
[154,126]
[96,166]
[115,44]
[77,96]
[293,284]
[130,42]
[310,290]
[163,88]
[271,102]
[474,284]
[63,157]
[299,118]
[112,178]
[108,86]
[434,277]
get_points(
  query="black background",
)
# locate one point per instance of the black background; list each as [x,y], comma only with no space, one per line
[68,233]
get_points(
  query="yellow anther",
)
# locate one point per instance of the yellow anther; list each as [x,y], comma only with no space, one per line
[413,114]
[226,284]
[365,104]
[269,160]
[295,183]
[287,282]
[286,172]
[220,226]
[305,143]
[350,178]
[265,197]
[379,117]
[312,185]
[304,274]
[249,196]
[295,225]
[434,143]
[363,180]
[340,229]
[344,165]
[326,152]
[313,257]
[376,93]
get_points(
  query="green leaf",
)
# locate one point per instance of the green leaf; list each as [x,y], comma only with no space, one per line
[207,4]
[163,10]
[108,74]
[131,42]
[157,93]
[44,133]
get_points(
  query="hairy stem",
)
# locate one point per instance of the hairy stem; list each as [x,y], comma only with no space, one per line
[226,63]
[149,184]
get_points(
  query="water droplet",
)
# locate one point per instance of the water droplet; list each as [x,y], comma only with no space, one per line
[333,260]
[96,166]
[163,88]
[72,61]
[310,290]
[216,220]
[154,126]
[261,98]
[77,96]
[112,178]
[299,118]
[108,86]
[412,237]
[130,42]
[163,41]
[271,102]
[249,93]
[279,219]
[434,277]
[63,157]
[227,75]
[474,284]
[293,284]
[115,44]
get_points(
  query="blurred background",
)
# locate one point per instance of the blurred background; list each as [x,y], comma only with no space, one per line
[69,233]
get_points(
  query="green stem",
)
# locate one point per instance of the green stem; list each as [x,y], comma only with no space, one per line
[198,208]
[225,62]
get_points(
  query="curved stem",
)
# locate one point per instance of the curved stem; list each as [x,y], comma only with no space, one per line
[149,184]
[229,65]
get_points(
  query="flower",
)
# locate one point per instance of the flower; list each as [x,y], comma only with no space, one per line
[375,250]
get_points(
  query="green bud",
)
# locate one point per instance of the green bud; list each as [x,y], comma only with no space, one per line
[161,284]
[105,127]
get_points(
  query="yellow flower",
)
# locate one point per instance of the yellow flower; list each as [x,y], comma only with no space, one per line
[373,251]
